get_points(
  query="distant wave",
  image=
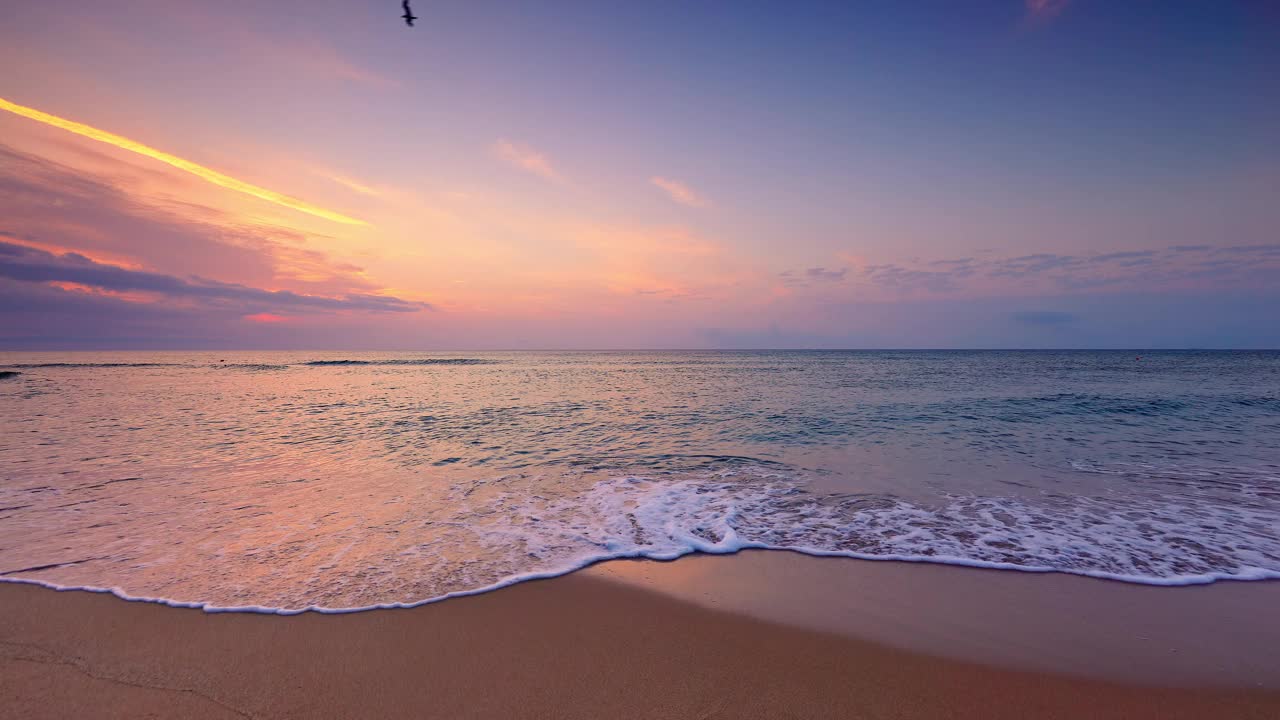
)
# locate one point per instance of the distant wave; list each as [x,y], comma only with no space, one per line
[256,366]
[263,365]
[421,361]
[94,365]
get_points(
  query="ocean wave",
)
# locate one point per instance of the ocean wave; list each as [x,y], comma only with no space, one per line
[93,365]
[488,534]
[432,482]
[1157,542]
[6,374]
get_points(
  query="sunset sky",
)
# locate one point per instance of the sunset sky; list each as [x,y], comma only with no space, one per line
[1006,173]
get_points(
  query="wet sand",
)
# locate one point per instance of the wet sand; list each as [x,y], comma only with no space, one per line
[1223,634]
[574,647]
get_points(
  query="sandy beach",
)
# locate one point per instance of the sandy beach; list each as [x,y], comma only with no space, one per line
[629,360]
[573,647]
[1216,635]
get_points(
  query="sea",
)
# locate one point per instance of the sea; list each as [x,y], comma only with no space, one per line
[339,481]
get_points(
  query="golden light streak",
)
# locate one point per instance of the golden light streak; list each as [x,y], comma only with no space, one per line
[347,182]
[199,171]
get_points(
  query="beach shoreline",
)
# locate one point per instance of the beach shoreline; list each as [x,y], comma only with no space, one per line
[575,646]
[1216,634]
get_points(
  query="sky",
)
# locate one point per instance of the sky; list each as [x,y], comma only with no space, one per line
[882,174]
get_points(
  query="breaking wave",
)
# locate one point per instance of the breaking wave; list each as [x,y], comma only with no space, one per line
[280,485]
[487,534]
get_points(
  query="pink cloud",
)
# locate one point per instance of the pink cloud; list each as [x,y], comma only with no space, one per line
[526,158]
[100,213]
[1045,10]
[679,192]
[266,318]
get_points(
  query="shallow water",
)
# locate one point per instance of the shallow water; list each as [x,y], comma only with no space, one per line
[347,480]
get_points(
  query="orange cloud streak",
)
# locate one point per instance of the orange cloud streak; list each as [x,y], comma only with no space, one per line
[199,171]
[266,318]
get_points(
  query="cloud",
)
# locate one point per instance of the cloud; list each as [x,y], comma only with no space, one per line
[266,318]
[1176,268]
[48,316]
[1112,320]
[526,158]
[204,173]
[30,265]
[1045,10]
[679,192]
[55,207]
[1163,269]
[99,257]
[320,60]
[824,275]
[1108,257]
[819,273]
[811,276]
[903,278]
[346,182]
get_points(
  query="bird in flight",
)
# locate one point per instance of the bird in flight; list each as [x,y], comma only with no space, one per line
[408,16]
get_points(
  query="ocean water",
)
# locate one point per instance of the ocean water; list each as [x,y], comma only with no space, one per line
[285,481]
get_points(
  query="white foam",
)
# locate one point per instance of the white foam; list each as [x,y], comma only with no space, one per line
[516,534]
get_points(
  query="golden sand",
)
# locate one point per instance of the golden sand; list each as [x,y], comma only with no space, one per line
[573,647]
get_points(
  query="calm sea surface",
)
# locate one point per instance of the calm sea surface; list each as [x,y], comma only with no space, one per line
[347,480]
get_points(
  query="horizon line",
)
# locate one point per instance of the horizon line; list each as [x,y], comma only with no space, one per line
[651,350]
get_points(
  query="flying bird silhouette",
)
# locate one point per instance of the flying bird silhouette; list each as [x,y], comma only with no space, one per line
[408,16]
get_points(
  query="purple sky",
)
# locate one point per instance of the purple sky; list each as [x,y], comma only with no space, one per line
[1006,173]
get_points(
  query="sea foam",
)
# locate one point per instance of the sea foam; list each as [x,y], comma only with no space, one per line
[505,531]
